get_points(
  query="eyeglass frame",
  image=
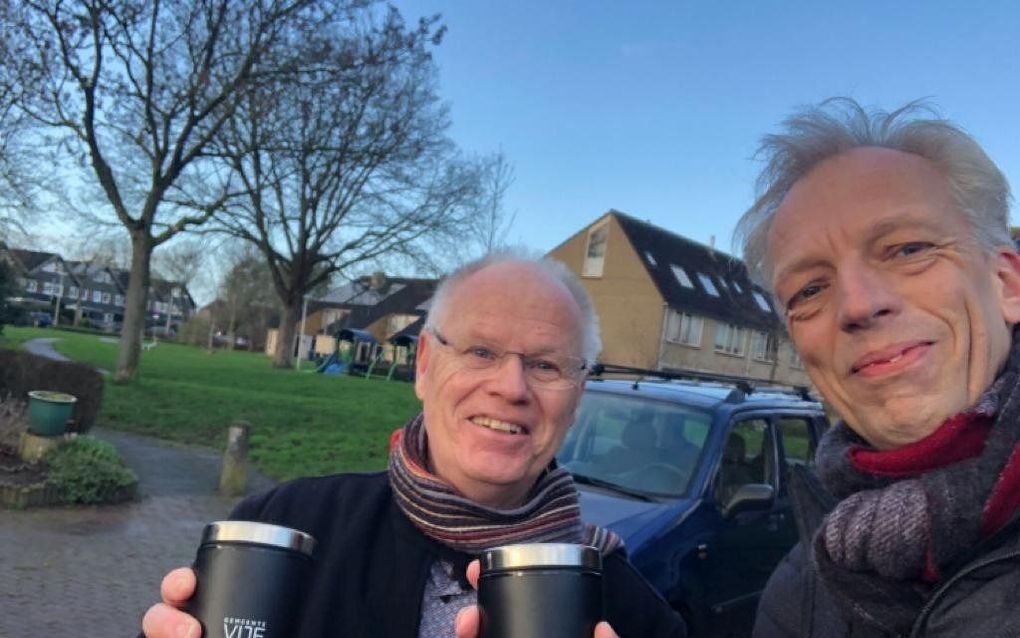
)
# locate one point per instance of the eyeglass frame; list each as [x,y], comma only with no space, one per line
[499,356]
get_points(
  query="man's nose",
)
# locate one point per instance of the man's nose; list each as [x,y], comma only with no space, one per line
[510,378]
[864,296]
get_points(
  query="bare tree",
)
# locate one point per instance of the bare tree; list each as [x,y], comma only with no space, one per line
[181,261]
[247,296]
[491,223]
[139,88]
[348,164]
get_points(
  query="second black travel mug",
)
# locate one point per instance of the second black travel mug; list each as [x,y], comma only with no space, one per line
[251,578]
[540,590]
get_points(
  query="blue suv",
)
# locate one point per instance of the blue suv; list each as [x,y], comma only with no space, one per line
[692,473]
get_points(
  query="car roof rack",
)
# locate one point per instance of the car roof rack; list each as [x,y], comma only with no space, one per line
[743,384]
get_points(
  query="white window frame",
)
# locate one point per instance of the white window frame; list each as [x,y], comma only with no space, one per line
[72,292]
[795,361]
[106,297]
[651,258]
[760,350]
[118,300]
[730,339]
[32,286]
[49,288]
[97,296]
[594,264]
[684,328]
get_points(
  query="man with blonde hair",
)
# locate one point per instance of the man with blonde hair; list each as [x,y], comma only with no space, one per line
[884,240]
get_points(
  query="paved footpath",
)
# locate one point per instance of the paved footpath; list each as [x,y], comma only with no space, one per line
[93,571]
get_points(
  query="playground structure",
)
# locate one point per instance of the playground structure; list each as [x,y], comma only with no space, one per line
[358,352]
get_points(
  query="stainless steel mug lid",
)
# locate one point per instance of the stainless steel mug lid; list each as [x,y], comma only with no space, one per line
[527,555]
[259,534]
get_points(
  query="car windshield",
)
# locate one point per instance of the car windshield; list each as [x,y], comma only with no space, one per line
[640,445]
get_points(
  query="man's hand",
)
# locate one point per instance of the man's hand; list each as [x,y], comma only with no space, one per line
[165,620]
[468,623]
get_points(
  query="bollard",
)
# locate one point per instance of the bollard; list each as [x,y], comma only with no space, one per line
[234,475]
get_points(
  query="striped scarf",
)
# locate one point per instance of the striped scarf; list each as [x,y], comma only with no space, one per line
[551,513]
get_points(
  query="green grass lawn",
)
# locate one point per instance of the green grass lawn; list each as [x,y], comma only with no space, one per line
[302,423]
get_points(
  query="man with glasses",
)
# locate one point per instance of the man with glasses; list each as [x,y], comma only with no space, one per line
[500,371]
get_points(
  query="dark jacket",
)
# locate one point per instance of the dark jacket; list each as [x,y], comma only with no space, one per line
[978,598]
[372,564]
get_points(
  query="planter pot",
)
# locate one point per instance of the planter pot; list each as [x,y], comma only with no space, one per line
[48,412]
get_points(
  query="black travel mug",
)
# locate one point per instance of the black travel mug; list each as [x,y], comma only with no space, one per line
[251,578]
[540,590]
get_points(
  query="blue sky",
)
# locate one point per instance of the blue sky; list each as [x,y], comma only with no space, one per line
[656,108]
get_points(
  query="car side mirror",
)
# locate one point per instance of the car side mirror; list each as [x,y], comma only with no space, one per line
[749,497]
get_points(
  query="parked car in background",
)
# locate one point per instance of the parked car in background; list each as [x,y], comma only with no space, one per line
[40,319]
[693,474]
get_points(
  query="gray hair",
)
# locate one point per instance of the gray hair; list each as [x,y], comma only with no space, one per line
[591,342]
[840,124]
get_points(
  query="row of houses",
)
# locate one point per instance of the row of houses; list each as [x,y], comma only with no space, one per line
[664,302]
[93,291]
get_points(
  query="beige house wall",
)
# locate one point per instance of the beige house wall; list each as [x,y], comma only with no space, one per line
[705,358]
[629,305]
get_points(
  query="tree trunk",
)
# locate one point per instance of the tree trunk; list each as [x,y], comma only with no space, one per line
[283,356]
[134,306]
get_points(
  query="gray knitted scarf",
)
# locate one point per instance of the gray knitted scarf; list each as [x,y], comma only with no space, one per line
[873,548]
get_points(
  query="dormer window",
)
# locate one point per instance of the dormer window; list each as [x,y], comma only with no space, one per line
[708,284]
[762,302]
[681,276]
[595,253]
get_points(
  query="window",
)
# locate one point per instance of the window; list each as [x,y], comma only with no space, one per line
[762,302]
[798,446]
[32,285]
[106,297]
[745,454]
[48,288]
[118,300]
[84,294]
[97,296]
[73,292]
[763,346]
[736,286]
[595,255]
[650,258]
[708,284]
[729,339]
[684,328]
[795,361]
[681,277]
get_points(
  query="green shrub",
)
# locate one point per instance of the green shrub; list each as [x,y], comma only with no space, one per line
[86,470]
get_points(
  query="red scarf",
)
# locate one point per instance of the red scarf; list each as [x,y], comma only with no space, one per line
[959,438]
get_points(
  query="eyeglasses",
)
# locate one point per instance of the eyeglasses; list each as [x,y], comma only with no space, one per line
[551,371]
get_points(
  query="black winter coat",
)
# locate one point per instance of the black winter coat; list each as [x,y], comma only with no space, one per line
[372,564]
[979,598]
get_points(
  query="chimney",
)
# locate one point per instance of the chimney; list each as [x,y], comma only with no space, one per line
[378,280]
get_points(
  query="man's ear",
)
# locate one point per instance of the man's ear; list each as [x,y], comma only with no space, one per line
[421,363]
[1007,270]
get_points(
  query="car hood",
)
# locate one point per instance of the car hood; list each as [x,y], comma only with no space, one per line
[634,520]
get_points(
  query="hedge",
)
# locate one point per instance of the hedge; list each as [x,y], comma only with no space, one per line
[21,372]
